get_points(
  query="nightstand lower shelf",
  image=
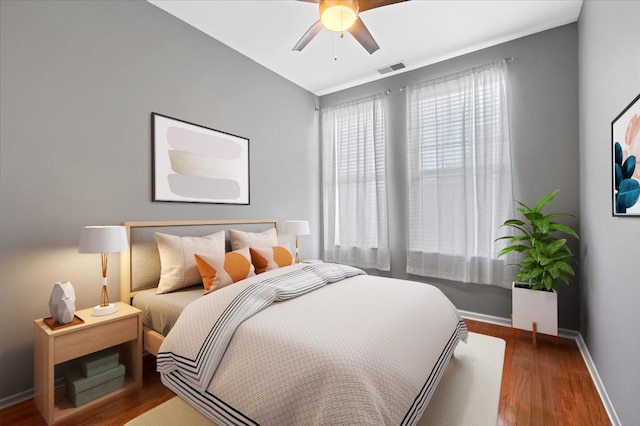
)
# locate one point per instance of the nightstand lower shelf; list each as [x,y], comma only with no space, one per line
[122,329]
[63,408]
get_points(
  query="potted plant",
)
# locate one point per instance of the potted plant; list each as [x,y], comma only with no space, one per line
[545,260]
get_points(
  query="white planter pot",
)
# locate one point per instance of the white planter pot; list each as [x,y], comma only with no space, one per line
[529,306]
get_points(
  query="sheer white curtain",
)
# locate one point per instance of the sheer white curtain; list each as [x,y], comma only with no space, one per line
[354,193]
[459,176]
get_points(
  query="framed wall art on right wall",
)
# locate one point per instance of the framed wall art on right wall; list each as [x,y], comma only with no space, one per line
[625,144]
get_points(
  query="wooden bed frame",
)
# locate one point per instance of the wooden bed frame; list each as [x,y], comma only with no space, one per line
[142,243]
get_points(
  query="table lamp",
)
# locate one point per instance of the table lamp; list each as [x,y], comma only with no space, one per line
[297,228]
[103,240]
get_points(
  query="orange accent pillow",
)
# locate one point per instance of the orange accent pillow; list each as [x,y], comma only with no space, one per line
[218,271]
[266,259]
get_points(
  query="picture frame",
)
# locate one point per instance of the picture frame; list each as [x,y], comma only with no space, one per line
[197,164]
[625,155]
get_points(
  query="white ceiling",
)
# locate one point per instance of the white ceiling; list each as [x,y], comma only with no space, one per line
[418,32]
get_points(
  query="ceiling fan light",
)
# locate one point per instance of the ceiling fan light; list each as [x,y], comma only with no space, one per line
[338,15]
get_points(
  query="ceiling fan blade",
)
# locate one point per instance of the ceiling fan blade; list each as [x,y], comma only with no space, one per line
[360,32]
[308,36]
[372,4]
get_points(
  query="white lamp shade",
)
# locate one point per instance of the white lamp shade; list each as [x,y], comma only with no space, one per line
[103,239]
[296,227]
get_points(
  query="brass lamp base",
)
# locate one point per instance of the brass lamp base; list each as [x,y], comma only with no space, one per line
[99,311]
[104,308]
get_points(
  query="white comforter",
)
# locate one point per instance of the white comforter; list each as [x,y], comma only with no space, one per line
[361,351]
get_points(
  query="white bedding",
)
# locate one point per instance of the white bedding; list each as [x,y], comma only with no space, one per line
[361,351]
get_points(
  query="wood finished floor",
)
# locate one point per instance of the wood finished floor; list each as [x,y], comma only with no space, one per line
[547,385]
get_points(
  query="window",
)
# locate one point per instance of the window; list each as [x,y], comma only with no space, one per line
[354,194]
[459,175]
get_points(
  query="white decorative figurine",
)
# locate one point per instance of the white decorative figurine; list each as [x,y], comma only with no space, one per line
[62,302]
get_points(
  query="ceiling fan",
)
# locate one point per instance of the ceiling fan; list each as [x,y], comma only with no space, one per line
[343,15]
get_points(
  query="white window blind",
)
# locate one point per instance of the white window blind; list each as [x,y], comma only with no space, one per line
[459,176]
[354,194]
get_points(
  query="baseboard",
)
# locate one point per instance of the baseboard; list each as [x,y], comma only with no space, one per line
[604,396]
[506,322]
[16,399]
[489,319]
[24,396]
[582,347]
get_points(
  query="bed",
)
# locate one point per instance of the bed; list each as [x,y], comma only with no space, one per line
[299,344]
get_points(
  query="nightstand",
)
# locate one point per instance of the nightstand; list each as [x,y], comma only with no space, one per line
[51,347]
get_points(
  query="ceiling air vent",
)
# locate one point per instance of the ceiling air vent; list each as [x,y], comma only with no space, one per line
[390,68]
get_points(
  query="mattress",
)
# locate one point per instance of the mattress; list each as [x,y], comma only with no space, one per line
[161,311]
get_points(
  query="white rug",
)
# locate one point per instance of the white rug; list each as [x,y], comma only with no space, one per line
[468,393]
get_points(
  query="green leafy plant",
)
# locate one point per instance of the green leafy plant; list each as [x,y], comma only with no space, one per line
[546,256]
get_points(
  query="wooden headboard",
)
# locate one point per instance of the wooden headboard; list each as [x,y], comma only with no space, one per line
[140,265]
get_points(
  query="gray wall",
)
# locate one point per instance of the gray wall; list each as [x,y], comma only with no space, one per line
[609,71]
[544,131]
[79,80]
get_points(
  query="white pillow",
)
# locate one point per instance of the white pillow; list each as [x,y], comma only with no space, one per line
[178,267]
[241,239]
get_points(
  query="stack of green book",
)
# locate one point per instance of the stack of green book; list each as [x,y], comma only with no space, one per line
[99,374]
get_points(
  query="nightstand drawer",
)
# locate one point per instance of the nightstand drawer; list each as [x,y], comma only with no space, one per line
[93,339]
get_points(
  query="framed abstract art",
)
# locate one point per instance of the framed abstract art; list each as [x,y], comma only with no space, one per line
[625,144]
[193,163]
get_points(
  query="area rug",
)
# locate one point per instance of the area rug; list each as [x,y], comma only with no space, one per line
[468,393]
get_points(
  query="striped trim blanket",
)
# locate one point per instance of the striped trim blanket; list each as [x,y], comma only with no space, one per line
[365,350]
